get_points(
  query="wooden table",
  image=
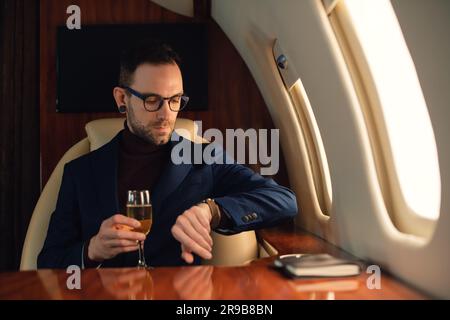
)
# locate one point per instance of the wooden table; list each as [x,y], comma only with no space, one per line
[254,281]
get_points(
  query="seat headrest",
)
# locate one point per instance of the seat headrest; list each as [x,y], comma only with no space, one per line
[101,131]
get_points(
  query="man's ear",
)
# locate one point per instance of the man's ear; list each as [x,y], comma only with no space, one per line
[119,96]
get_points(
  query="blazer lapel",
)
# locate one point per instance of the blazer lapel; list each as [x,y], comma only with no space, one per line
[171,177]
[105,172]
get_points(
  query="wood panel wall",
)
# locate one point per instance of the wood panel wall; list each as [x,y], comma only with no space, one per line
[234,101]
[19,125]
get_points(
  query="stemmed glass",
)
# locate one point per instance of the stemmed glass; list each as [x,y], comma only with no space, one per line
[139,207]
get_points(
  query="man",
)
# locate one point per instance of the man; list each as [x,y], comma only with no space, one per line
[188,200]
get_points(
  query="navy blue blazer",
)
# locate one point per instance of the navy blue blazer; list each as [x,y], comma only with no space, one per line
[88,195]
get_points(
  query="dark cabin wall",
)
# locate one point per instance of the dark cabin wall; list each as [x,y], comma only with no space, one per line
[19,125]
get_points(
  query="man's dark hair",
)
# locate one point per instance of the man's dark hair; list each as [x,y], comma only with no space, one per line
[150,51]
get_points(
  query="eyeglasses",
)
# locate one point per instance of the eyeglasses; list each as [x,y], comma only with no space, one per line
[153,102]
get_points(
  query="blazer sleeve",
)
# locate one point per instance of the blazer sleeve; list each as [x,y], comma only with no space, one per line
[63,245]
[248,199]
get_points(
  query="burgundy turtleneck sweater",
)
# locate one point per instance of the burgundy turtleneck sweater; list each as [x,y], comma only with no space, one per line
[140,165]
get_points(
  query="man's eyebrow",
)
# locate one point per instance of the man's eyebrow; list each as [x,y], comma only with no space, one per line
[152,94]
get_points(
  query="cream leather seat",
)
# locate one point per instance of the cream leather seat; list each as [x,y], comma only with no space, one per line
[227,250]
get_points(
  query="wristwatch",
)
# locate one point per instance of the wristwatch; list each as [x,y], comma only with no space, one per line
[215,212]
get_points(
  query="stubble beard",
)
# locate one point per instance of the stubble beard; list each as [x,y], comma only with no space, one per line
[145,131]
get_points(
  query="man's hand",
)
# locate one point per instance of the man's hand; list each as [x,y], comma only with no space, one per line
[114,237]
[192,229]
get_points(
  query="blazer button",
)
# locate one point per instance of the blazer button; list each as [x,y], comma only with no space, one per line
[245,218]
[254,215]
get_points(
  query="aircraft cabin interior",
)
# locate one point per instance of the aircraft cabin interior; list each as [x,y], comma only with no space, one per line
[225,150]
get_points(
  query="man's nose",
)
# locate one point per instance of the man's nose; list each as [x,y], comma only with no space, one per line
[164,111]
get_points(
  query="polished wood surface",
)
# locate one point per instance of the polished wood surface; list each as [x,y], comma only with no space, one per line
[234,100]
[257,280]
[289,238]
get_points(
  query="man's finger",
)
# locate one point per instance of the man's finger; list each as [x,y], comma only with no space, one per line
[190,244]
[186,254]
[199,227]
[202,217]
[124,220]
[114,243]
[196,237]
[124,234]
[185,224]
[188,257]
[183,248]
[196,231]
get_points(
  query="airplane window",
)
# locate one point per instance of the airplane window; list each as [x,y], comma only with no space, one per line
[395,110]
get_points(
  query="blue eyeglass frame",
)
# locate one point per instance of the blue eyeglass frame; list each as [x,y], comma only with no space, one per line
[144,97]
